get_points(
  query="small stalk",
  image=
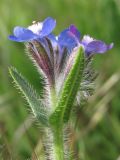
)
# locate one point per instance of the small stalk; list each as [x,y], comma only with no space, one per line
[53,96]
[58,143]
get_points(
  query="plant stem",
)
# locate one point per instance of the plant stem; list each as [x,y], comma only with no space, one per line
[53,96]
[58,143]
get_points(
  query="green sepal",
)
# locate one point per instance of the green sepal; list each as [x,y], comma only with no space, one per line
[69,91]
[34,101]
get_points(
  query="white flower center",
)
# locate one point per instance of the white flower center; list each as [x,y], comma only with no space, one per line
[36,27]
[87,39]
[56,38]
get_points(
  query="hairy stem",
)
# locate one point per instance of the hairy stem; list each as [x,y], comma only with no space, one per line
[53,97]
[58,143]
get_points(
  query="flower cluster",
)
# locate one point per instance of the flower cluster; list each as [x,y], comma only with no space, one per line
[50,51]
[69,38]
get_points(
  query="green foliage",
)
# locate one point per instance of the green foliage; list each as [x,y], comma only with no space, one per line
[31,96]
[69,91]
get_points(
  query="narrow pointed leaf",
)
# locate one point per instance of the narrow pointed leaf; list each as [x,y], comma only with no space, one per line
[31,96]
[69,91]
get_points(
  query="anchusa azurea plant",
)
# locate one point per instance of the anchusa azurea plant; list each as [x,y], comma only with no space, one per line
[64,63]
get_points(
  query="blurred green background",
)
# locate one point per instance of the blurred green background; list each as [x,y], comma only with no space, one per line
[101,133]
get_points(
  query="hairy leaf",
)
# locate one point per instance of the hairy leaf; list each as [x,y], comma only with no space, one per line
[69,91]
[87,85]
[31,96]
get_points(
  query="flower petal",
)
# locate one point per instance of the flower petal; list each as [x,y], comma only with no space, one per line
[13,38]
[48,26]
[53,40]
[23,34]
[74,31]
[86,40]
[97,47]
[67,39]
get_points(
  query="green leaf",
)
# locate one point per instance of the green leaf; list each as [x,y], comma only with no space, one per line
[69,91]
[31,96]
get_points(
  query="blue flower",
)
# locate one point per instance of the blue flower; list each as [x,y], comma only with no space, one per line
[70,38]
[93,46]
[36,31]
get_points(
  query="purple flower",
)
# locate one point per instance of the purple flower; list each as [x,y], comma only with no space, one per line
[37,30]
[70,38]
[93,46]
